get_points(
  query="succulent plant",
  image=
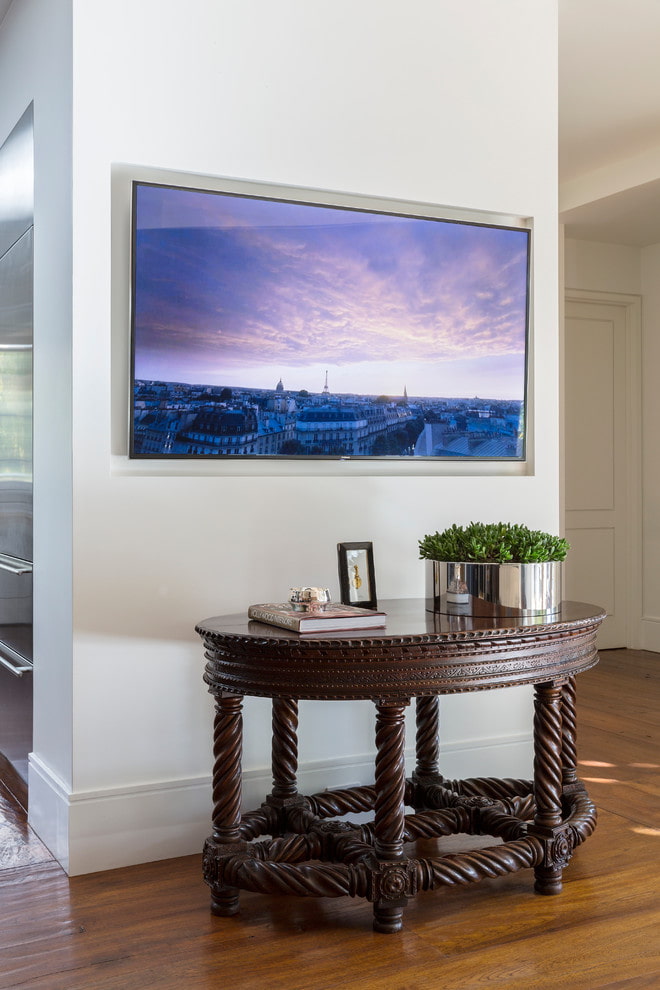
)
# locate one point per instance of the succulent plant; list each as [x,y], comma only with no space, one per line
[498,543]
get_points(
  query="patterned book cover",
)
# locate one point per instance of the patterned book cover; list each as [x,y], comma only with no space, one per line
[333,617]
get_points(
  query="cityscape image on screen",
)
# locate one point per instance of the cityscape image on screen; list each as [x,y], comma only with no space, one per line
[268,327]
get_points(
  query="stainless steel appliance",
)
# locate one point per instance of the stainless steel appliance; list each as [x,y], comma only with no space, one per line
[16,295]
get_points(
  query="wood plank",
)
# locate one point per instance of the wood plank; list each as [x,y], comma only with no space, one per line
[637,662]
[150,926]
[600,750]
[639,699]
[19,846]
[116,928]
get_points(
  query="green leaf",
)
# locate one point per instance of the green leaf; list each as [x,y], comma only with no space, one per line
[493,542]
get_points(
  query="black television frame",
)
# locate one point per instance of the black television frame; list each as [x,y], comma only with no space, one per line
[365,209]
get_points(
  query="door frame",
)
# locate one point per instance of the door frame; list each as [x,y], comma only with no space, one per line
[632,312]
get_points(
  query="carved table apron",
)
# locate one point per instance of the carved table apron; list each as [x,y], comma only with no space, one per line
[421,655]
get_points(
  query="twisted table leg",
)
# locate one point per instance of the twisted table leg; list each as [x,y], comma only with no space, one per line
[227,754]
[427,740]
[568,731]
[391,876]
[548,782]
[285,748]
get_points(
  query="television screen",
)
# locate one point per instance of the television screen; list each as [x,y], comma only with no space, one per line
[266,327]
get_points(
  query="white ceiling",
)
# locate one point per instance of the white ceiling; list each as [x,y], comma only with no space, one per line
[609,82]
[630,217]
[609,111]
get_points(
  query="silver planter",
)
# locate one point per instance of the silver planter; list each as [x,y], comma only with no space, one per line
[493,589]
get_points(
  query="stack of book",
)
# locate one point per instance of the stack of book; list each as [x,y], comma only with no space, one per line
[330,618]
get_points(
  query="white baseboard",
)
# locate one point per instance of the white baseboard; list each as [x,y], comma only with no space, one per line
[89,831]
[651,633]
[48,809]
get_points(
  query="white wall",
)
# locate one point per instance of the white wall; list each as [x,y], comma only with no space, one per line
[602,267]
[424,103]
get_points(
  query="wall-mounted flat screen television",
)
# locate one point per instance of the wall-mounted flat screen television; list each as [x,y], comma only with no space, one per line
[285,326]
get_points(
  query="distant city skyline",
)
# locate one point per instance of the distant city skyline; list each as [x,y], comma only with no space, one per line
[248,387]
[174,419]
[242,292]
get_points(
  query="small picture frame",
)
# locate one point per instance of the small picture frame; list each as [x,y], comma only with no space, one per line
[357,580]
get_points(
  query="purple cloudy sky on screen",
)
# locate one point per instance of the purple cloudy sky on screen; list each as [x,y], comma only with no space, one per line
[241,292]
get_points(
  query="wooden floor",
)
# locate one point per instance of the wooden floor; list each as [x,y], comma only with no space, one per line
[149,926]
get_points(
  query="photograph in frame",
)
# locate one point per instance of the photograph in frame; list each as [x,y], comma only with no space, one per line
[357,581]
[273,328]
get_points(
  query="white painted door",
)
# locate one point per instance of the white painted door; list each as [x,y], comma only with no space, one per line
[597,465]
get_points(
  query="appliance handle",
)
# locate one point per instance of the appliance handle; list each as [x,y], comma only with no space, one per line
[15,565]
[14,662]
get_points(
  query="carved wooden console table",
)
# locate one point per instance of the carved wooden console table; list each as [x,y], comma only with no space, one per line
[417,655]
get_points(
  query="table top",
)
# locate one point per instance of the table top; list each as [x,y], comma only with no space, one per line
[417,652]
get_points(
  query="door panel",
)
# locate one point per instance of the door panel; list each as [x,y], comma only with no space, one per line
[596,462]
